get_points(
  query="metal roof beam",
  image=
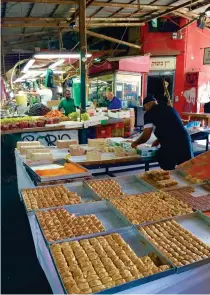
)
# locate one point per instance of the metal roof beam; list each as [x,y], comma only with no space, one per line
[64,19]
[66,25]
[170,10]
[100,4]
[98,10]
[28,14]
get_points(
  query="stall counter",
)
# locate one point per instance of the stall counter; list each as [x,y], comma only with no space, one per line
[183,283]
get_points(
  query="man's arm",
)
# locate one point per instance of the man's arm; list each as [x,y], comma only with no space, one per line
[60,105]
[143,138]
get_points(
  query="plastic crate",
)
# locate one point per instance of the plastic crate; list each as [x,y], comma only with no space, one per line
[103,132]
[118,129]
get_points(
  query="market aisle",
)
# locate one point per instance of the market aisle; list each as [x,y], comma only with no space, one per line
[21,272]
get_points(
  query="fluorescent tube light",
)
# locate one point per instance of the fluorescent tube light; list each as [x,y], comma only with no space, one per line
[59,55]
[20,79]
[57,63]
[28,65]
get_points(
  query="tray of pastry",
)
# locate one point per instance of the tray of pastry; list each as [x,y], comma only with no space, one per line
[57,171]
[71,222]
[201,202]
[119,186]
[184,240]
[83,190]
[108,263]
[159,179]
[52,196]
[150,207]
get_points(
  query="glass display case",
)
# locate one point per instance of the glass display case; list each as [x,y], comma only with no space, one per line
[126,86]
[98,87]
[128,89]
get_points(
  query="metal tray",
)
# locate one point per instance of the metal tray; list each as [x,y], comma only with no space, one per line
[141,247]
[130,185]
[67,176]
[199,225]
[83,191]
[110,217]
[184,174]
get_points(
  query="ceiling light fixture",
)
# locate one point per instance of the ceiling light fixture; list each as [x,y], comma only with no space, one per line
[28,65]
[59,55]
[207,12]
[57,63]
[20,79]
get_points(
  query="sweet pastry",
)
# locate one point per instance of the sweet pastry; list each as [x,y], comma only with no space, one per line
[197,203]
[93,155]
[38,156]
[175,242]
[76,150]
[106,188]
[150,207]
[101,272]
[24,143]
[159,178]
[50,196]
[38,149]
[59,224]
[64,144]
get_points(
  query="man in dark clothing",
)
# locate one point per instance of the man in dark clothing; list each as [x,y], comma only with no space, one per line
[207,108]
[174,140]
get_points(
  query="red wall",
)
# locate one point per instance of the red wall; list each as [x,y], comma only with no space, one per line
[196,40]
[189,52]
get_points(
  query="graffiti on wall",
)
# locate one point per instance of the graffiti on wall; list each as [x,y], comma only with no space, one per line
[204,93]
[190,99]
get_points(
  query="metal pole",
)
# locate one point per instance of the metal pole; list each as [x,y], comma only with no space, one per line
[83,64]
[83,51]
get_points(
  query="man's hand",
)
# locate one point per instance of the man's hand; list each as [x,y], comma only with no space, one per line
[134,145]
[155,143]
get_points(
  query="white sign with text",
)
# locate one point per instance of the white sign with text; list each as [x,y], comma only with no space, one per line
[162,63]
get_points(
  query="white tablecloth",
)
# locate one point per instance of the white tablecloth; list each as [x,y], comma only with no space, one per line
[195,281]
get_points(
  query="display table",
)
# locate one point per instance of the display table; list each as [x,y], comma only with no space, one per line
[192,281]
[198,116]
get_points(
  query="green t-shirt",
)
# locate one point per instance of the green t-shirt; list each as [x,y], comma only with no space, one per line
[67,105]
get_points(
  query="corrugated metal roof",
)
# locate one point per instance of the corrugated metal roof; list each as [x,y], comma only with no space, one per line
[13,9]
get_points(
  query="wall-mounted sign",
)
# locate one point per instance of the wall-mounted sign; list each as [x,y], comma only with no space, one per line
[206,57]
[162,63]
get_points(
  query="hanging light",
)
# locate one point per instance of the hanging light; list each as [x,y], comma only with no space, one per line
[28,65]
[59,55]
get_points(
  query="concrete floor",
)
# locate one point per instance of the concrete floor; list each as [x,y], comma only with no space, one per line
[21,272]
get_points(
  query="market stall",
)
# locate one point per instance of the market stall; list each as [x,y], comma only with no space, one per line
[101,211]
[198,117]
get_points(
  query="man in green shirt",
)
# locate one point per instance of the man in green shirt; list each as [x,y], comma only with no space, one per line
[67,103]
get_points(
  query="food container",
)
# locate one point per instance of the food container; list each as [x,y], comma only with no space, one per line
[141,247]
[147,152]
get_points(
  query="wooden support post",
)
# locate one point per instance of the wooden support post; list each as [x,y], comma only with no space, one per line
[83,52]
[101,36]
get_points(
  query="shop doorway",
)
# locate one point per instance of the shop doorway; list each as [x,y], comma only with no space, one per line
[155,81]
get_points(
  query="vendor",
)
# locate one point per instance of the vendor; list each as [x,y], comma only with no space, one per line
[67,103]
[114,102]
[174,140]
[45,94]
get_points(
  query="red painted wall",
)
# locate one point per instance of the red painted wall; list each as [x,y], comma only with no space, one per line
[189,56]
[161,43]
